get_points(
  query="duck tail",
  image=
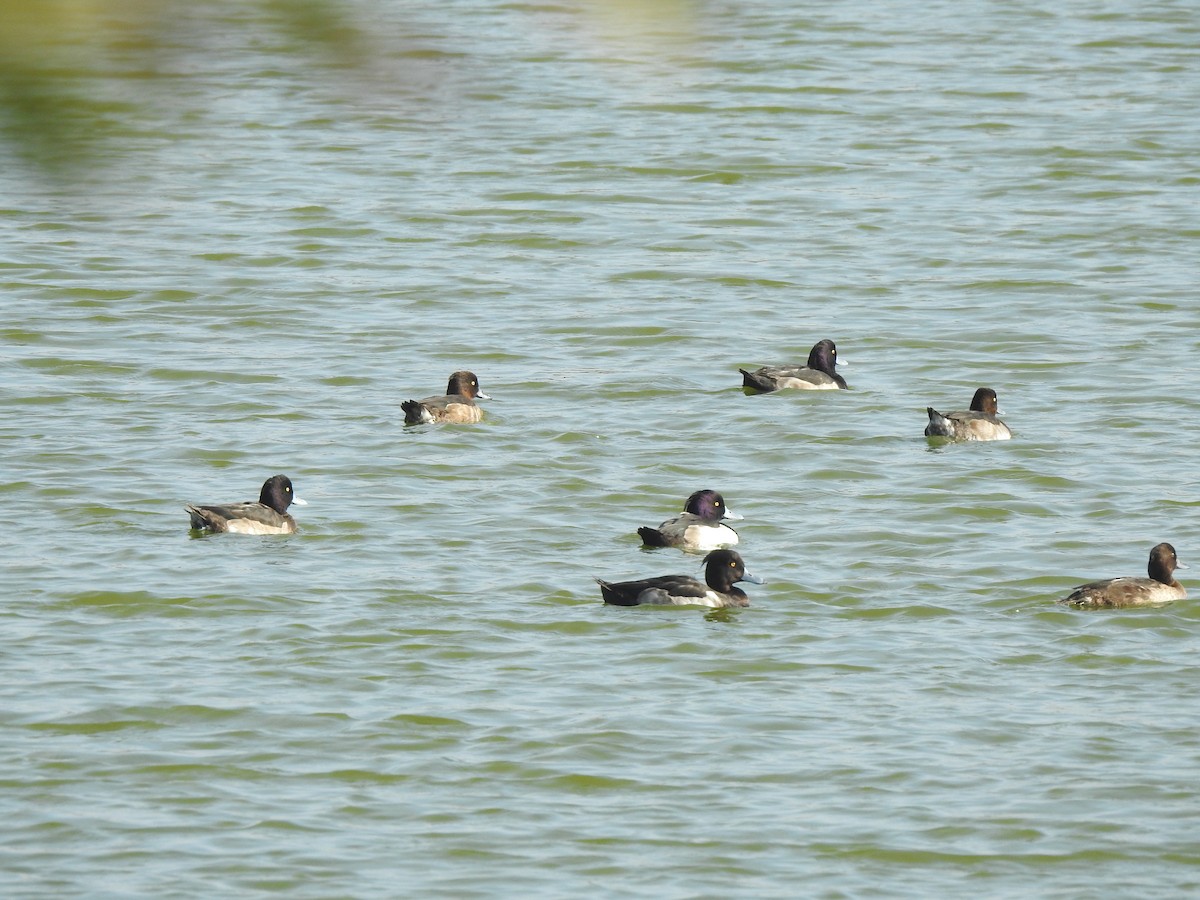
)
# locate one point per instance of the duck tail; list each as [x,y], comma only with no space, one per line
[938,425]
[414,413]
[751,380]
[202,520]
[652,537]
[194,514]
[613,595]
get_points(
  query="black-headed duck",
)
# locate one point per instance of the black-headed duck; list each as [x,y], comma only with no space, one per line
[722,568]
[267,516]
[818,375]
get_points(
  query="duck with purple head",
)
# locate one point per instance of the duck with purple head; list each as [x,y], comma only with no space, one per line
[701,526]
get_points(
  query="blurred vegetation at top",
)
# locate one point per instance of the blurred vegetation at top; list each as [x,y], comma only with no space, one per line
[81,81]
[73,73]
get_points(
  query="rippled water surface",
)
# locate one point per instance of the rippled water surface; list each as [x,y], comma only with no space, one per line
[604,214]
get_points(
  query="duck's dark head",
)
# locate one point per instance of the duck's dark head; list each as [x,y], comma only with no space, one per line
[985,401]
[465,384]
[723,568]
[709,505]
[277,493]
[1163,563]
[823,356]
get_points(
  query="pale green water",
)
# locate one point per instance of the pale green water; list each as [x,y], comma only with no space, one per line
[421,694]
